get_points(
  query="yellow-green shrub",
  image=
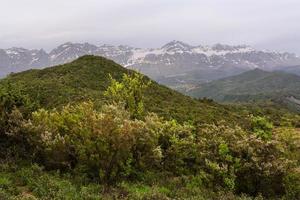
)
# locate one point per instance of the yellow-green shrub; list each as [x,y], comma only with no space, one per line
[109,145]
[105,143]
[245,161]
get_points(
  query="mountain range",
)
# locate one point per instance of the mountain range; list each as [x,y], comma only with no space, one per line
[176,64]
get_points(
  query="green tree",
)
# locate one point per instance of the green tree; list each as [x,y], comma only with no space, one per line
[14,108]
[11,98]
[262,127]
[130,92]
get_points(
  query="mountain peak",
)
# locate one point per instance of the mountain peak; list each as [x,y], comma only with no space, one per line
[255,73]
[65,45]
[225,47]
[258,70]
[176,45]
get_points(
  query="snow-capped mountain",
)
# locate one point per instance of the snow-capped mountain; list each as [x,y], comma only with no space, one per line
[19,59]
[174,64]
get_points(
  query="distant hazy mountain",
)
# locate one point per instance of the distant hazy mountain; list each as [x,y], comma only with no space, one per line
[175,64]
[19,59]
[255,85]
[291,69]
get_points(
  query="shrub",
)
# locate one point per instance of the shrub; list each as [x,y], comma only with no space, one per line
[11,97]
[262,127]
[129,91]
[176,146]
[106,144]
[245,163]
[219,156]
[14,107]
[292,184]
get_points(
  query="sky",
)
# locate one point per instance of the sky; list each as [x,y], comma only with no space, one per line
[263,24]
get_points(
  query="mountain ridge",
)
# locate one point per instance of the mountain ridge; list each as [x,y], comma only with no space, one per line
[176,64]
[256,85]
[75,50]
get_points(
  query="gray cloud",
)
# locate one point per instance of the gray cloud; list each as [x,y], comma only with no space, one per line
[268,24]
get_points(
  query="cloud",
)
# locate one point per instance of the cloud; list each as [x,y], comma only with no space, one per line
[150,23]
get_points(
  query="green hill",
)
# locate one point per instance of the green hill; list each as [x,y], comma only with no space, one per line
[253,86]
[88,77]
[98,150]
[291,69]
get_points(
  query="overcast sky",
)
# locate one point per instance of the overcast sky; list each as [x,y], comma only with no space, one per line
[265,24]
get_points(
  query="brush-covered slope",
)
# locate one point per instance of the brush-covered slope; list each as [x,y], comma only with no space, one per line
[88,77]
[255,85]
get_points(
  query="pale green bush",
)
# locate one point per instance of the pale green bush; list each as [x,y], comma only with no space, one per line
[105,143]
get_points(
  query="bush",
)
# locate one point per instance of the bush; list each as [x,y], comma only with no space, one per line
[262,127]
[243,162]
[116,143]
[292,184]
[129,91]
[106,144]
[11,98]
[14,107]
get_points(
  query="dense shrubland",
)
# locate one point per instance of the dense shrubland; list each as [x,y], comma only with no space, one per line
[120,151]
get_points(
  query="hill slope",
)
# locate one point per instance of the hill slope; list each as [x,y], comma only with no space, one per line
[105,154]
[291,69]
[88,77]
[254,85]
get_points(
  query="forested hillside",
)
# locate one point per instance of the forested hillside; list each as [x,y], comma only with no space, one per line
[88,77]
[92,129]
[253,86]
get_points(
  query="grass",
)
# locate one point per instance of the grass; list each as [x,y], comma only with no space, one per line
[32,182]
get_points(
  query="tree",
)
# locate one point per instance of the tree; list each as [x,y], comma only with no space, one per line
[130,92]
[11,98]
[262,127]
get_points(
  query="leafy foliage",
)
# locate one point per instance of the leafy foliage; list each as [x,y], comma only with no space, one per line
[129,91]
[12,98]
[262,127]
[109,146]
[105,144]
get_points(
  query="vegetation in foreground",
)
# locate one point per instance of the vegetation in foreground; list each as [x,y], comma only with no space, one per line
[120,150]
